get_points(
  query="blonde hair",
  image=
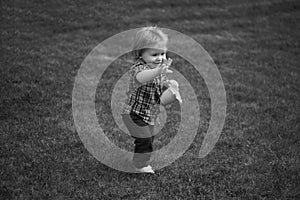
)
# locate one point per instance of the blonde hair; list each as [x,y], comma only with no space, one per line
[147,37]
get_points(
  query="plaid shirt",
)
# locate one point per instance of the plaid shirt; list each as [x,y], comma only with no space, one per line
[143,99]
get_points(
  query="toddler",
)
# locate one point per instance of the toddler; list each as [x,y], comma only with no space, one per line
[148,88]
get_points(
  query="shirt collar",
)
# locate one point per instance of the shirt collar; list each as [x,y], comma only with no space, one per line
[140,60]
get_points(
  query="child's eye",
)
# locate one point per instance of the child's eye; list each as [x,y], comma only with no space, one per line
[156,54]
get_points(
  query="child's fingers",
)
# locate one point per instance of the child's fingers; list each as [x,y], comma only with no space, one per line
[168,71]
[168,62]
[165,65]
[171,83]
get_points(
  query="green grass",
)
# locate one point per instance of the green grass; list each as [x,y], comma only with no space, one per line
[256,48]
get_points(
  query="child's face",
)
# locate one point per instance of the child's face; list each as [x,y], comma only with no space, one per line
[154,57]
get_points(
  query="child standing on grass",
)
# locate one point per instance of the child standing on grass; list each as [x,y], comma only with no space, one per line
[148,88]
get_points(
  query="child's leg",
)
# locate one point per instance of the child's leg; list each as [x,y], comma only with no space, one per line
[143,135]
[142,152]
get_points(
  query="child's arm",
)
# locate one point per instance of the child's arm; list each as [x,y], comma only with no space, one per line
[150,74]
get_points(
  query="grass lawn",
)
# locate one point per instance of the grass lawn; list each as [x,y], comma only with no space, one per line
[255,45]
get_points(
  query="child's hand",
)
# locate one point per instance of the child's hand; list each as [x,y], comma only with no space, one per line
[171,84]
[164,67]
